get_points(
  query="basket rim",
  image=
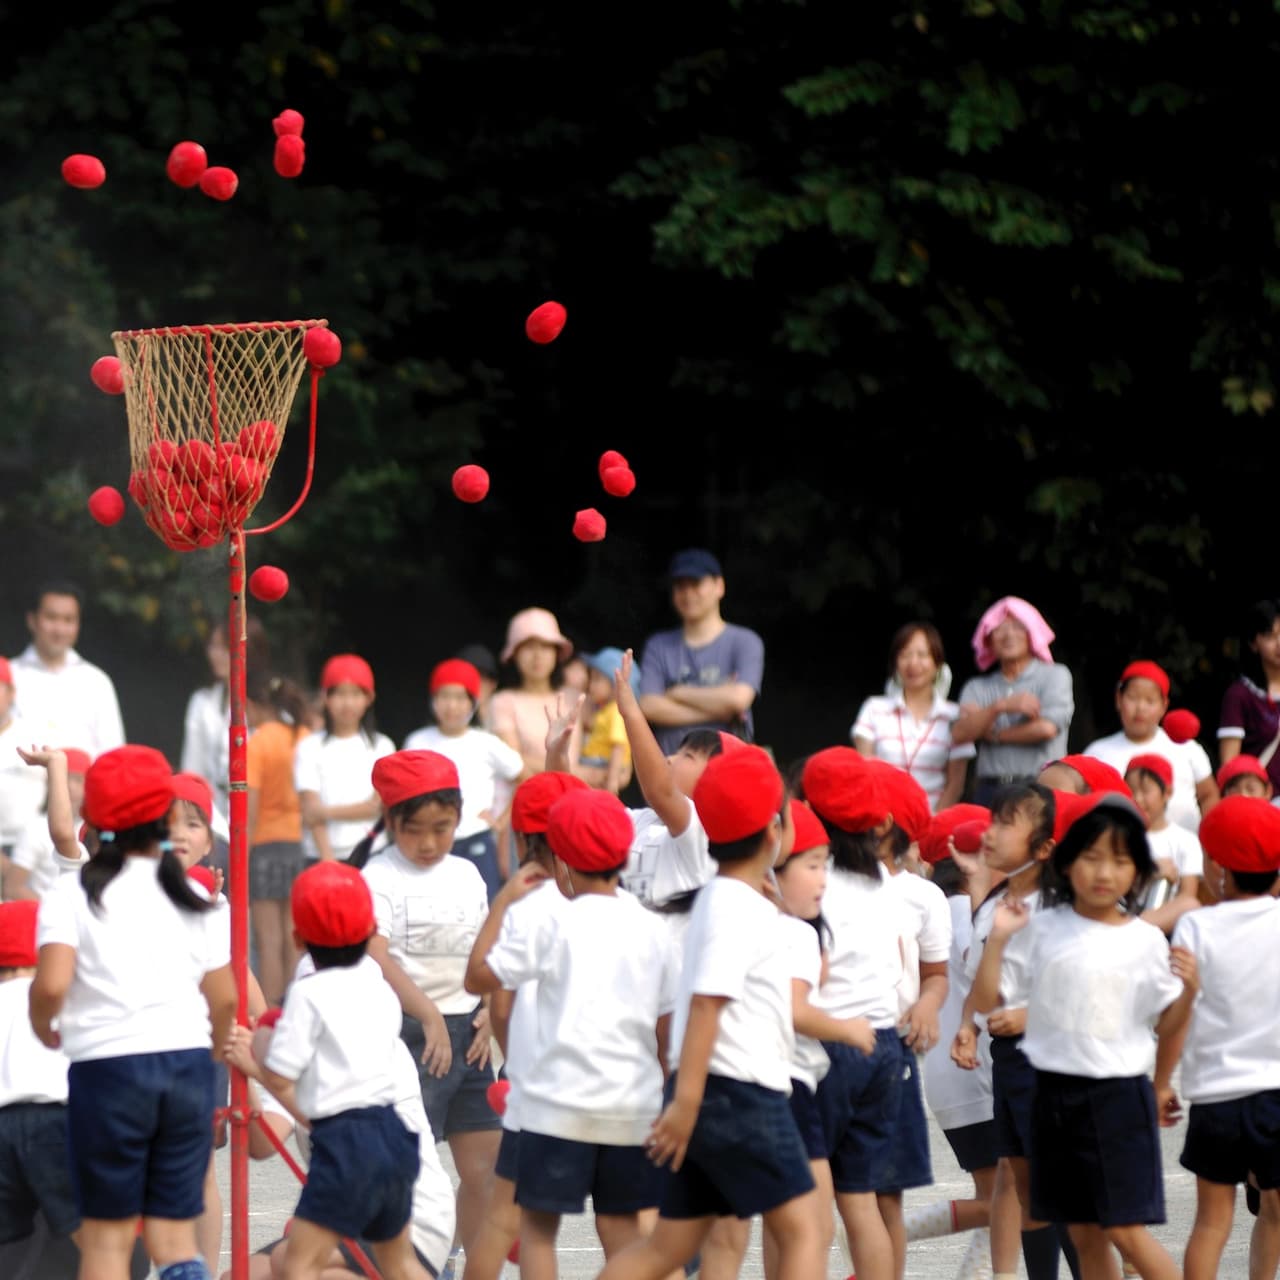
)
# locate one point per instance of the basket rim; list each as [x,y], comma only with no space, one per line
[207,330]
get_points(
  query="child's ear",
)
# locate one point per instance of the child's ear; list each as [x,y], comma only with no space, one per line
[1045,851]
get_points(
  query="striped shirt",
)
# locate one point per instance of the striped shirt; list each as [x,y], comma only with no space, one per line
[922,747]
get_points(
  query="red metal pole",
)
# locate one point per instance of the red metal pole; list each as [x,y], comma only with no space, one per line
[238,878]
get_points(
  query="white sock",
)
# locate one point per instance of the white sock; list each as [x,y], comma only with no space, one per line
[976,1263]
[925,1221]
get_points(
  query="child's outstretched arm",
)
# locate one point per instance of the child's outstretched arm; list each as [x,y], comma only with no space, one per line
[1171,1034]
[480,979]
[62,818]
[652,771]
[437,1054]
[560,732]
[669,1138]
[1011,916]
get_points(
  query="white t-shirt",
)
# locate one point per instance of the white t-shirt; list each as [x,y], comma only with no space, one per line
[139,964]
[810,1063]
[28,1071]
[865,965]
[926,931]
[340,772]
[430,917]
[486,769]
[661,866]
[336,1039]
[1190,766]
[72,706]
[955,1096]
[1180,846]
[22,786]
[206,740]
[1015,978]
[605,976]
[35,853]
[736,947]
[1233,1045]
[921,747]
[1097,991]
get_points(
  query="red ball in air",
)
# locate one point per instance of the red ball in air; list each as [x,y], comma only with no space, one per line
[106,505]
[219,182]
[470,483]
[1182,725]
[83,172]
[619,482]
[610,458]
[288,123]
[268,583]
[545,322]
[496,1095]
[322,347]
[186,164]
[290,155]
[589,526]
[107,375]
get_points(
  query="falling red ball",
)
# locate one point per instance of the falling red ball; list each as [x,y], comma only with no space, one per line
[619,482]
[545,322]
[268,583]
[107,375]
[106,505]
[83,172]
[496,1095]
[322,347]
[288,123]
[219,182]
[186,164]
[290,155]
[589,526]
[610,458]
[1182,725]
[470,483]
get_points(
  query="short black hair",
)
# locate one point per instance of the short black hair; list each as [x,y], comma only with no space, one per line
[1254,882]
[446,798]
[706,742]
[1033,799]
[728,852]
[1111,813]
[337,957]
[611,874]
[56,587]
[857,852]
[1152,776]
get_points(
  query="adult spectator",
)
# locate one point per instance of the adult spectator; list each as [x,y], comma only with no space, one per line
[63,699]
[1020,713]
[1250,720]
[910,726]
[706,673]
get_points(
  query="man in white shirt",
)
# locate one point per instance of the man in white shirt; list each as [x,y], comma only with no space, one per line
[62,699]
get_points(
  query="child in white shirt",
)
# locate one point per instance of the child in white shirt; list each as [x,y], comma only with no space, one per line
[49,846]
[21,786]
[1175,850]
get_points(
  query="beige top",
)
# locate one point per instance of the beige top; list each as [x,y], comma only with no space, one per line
[520,719]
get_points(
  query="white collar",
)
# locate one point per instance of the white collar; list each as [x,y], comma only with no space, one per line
[30,658]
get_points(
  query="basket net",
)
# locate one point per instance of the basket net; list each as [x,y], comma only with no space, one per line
[208,406]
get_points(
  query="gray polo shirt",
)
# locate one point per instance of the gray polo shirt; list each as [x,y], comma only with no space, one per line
[1051,683]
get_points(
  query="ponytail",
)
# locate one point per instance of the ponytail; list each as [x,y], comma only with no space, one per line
[282,695]
[360,855]
[100,870]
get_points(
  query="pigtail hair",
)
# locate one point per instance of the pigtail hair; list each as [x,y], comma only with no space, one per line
[360,855]
[101,869]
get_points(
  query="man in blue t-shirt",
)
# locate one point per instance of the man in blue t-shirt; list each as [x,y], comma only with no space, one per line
[705,674]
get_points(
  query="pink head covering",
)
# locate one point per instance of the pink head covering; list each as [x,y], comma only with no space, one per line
[1039,631]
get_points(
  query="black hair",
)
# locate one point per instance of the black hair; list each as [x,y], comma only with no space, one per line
[1035,801]
[854,851]
[61,587]
[368,727]
[446,798]
[337,957]
[609,874]
[825,936]
[1108,815]
[1151,775]
[1259,618]
[706,742]
[728,852]
[1255,882]
[281,694]
[197,810]
[363,850]
[949,878]
[536,847]
[101,869]
[679,904]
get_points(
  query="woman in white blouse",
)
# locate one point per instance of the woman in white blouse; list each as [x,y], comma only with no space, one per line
[910,725]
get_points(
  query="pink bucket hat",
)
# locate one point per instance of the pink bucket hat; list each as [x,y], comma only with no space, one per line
[535,624]
[1039,633]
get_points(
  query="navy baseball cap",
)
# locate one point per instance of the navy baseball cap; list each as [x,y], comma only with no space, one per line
[694,562]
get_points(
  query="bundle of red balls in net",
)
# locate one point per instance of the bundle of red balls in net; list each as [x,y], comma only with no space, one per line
[208,406]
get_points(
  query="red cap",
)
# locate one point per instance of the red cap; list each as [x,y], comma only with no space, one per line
[18,934]
[534,798]
[6,672]
[942,828]
[1152,763]
[907,800]
[1147,671]
[456,671]
[1182,725]
[810,833]
[77,761]
[405,774]
[843,791]
[1098,775]
[1242,833]
[729,742]
[1237,767]
[737,794]
[332,905]
[126,787]
[204,876]
[1067,809]
[590,830]
[194,789]
[347,668]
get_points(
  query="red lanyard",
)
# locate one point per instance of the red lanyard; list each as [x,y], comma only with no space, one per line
[911,759]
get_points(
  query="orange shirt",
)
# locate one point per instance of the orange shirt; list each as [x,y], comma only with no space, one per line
[269,766]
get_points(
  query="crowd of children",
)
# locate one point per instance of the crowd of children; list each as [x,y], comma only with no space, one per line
[734,1001]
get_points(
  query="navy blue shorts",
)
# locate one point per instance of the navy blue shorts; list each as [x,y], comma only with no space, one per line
[1227,1141]
[1013,1081]
[858,1100]
[808,1118]
[556,1175]
[141,1131]
[909,1164]
[456,1102]
[974,1145]
[481,850]
[744,1157]
[35,1170]
[507,1165]
[1095,1151]
[363,1166]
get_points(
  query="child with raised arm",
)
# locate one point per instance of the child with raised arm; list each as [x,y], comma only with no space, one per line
[1230,1068]
[49,845]
[606,986]
[727,1132]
